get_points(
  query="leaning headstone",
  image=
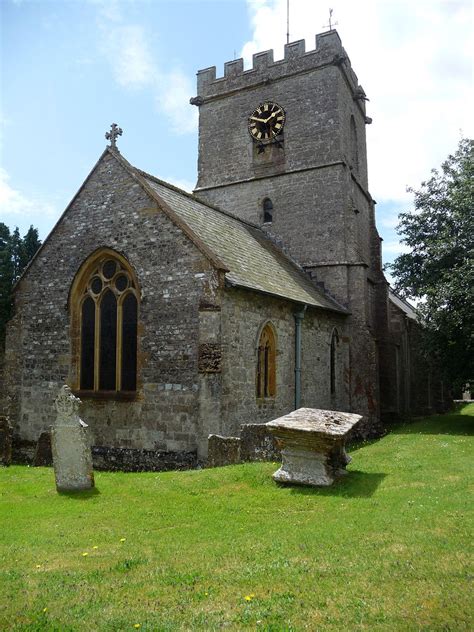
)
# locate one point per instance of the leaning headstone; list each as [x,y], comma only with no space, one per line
[257,443]
[312,443]
[70,443]
[223,451]
[6,432]
[43,454]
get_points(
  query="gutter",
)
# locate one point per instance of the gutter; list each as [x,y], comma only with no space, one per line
[298,316]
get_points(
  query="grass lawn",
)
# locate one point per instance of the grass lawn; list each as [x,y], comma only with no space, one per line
[385,548]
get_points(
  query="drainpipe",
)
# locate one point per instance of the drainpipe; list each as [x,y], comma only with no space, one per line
[298,316]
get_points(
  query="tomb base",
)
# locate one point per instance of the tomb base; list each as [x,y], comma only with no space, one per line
[302,467]
[312,445]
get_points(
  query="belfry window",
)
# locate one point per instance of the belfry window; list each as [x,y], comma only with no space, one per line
[106,301]
[332,360]
[266,363]
[267,211]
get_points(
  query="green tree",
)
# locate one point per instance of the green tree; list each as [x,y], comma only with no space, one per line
[6,279]
[15,254]
[439,269]
[29,245]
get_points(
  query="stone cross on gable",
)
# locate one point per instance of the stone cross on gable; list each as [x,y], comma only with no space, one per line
[330,25]
[115,131]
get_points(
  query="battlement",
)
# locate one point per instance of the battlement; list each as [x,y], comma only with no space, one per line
[296,59]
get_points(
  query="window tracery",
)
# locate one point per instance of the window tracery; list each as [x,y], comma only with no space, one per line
[106,311]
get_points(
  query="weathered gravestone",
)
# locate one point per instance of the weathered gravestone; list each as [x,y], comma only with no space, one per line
[312,443]
[6,432]
[223,451]
[70,443]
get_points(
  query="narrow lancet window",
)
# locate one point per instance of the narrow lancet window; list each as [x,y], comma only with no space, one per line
[332,361]
[267,211]
[266,364]
[87,343]
[108,342]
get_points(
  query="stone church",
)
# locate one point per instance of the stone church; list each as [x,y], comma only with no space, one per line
[174,316]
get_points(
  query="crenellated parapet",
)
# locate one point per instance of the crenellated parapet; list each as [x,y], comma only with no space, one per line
[328,51]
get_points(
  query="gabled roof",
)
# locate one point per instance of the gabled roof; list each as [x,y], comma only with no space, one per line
[403,305]
[249,257]
[242,250]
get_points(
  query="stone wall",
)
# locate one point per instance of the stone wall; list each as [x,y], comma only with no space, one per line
[5,441]
[112,211]
[414,383]
[244,314]
[135,460]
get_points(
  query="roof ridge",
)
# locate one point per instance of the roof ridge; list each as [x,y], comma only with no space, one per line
[282,249]
[274,241]
[195,198]
[401,298]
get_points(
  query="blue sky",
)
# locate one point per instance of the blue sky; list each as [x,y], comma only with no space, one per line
[72,67]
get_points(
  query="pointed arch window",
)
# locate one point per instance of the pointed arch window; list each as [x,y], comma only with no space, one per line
[267,205]
[333,360]
[105,314]
[266,363]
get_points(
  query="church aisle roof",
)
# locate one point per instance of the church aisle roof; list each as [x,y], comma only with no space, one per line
[251,259]
[404,305]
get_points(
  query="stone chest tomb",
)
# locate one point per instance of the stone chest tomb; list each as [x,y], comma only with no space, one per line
[312,444]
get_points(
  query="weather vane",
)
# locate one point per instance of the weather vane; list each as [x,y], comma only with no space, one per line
[115,131]
[330,25]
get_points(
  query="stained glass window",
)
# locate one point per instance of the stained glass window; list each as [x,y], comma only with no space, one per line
[88,343]
[108,328]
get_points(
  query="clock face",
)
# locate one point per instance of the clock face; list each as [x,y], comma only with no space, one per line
[266,122]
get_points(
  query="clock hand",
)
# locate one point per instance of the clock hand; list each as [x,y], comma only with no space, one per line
[271,116]
[260,120]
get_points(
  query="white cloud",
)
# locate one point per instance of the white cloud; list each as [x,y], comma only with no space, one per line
[394,248]
[388,220]
[126,48]
[181,183]
[173,90]
[412,60]
[14,203]
[108,9]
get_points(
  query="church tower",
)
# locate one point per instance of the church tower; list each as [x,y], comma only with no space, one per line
[283,145]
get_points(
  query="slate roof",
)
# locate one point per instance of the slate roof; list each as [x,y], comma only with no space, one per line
[248,255]
[403,304]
